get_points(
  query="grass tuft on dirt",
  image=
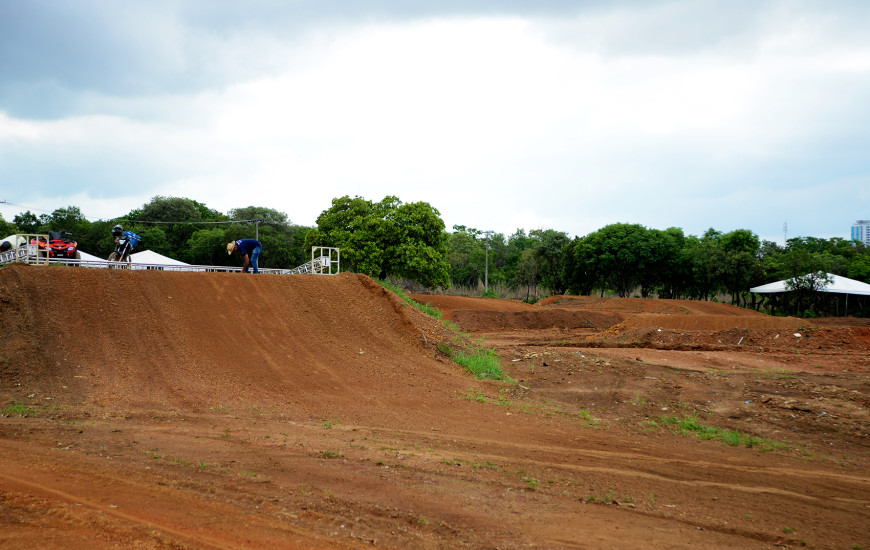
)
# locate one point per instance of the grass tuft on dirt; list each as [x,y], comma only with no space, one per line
[17,408]
[482,362]
[689,425]
[425,308]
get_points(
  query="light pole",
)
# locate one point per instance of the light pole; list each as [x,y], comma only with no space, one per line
[486,264]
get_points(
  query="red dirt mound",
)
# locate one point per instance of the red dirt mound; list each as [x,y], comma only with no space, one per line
[204,410]
[643,305]
[150,338]
[496,321]
[491,315]
[711,322]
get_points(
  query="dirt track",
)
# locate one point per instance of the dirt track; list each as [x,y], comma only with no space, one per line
[197,410]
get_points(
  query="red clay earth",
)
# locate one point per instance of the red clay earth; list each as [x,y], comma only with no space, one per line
[145,409]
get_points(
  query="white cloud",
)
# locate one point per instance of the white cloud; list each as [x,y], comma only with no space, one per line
[662,115]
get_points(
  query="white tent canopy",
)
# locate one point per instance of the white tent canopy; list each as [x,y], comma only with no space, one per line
[153,258]
[91,260]
[839,285]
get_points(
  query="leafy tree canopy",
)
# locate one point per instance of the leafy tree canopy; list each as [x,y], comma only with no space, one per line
[387,238]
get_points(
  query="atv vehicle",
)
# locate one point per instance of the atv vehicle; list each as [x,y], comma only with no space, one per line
[59,246]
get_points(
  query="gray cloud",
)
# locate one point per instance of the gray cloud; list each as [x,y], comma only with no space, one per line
[568,115]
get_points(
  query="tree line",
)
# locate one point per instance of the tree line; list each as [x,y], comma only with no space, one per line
[632,260]
[409,241]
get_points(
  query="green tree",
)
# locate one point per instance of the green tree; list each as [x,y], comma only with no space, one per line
[619,254]
[387,238]
[208,247]
[7,228]
[675,276]
[267,215]
[178,218]
[68,219]
[741,266]
[465,256]
[512,257]
[528,273]
[550,249]
[26,222]
[168,210]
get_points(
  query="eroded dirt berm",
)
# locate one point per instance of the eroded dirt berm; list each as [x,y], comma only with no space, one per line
[206,410]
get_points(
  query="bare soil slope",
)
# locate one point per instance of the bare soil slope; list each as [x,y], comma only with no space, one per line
[205,410]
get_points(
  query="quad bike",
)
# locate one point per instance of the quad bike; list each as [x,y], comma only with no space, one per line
[124,246]
[59,246]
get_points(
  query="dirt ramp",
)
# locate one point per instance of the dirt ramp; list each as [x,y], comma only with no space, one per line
[492,321]
[711,322]
[204,339]
[646,306]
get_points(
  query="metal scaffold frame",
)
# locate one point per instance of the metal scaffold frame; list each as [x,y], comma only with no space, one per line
[325,260]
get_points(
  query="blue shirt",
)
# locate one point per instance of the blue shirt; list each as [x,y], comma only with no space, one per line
[247,246]
[132,237]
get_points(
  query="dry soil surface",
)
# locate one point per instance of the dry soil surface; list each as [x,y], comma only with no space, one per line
[144,409]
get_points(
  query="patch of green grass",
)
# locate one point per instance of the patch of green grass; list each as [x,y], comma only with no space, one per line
[331,454]
[480,362]
[17,408]
[690,425]
[425,308]
[418,519]
[531,482]
[588,419]
[475,395]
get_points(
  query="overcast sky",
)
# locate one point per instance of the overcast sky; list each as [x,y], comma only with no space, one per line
[502,115]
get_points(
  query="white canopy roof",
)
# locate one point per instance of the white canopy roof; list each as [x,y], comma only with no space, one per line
[151,257]
[85,257]
[840,285]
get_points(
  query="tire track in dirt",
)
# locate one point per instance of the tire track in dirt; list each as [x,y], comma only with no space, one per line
[177,522]
[827,483]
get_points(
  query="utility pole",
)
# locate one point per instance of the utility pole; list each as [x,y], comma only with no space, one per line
[486,266]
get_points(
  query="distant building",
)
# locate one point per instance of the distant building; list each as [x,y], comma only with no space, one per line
[861,231]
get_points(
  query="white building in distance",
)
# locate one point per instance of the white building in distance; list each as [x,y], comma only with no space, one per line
[861,231]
